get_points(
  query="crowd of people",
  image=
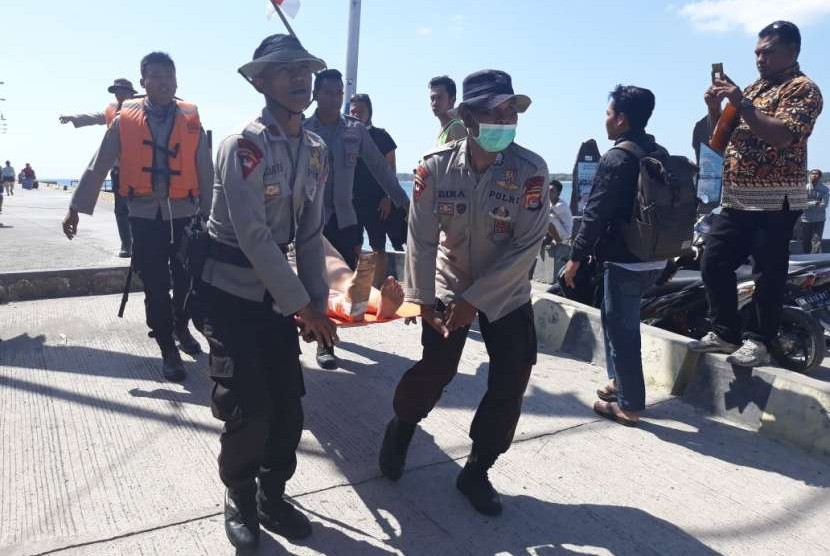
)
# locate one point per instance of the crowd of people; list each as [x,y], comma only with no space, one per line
[287,200]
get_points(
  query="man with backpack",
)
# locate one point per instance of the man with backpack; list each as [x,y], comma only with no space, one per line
[620,233]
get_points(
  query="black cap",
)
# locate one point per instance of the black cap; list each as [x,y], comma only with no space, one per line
[486,89]
[121,83]
[280,49]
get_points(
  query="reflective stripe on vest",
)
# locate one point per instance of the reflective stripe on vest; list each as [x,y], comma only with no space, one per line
[137,150]
[110,112]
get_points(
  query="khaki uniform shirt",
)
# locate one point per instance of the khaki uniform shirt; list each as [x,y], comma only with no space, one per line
[262,200]
[84,120]
[476,237]
[348,141]
[86,193]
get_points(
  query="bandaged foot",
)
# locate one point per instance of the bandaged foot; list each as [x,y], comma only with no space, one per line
[391,298]
[351,306]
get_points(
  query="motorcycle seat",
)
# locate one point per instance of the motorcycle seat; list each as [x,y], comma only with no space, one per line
[683,280]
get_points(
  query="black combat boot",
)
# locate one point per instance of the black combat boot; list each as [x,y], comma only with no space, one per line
[186,342]
[278,516]
[325,357]
[393,450]
[474,483]
[241,520]
[172,364]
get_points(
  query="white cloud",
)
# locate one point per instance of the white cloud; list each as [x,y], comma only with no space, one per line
[424,31]
[752,15]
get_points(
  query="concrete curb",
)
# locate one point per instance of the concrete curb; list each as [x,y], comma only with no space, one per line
[45,284]
[777,403]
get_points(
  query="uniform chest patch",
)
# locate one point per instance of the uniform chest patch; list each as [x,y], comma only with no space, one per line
[508,180]
[249,156]
[445,194]
[504,197]
[446,209]
[273,191]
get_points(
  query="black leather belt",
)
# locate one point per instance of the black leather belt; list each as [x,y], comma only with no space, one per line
[225,253]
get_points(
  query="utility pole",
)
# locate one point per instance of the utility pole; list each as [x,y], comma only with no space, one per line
[352,45]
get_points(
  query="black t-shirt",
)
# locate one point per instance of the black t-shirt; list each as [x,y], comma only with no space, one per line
[366,188]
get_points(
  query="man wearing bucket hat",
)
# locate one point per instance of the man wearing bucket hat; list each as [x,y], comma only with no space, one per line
[166,177]
[484,200]
[270,180]
[347,140]
[123,90]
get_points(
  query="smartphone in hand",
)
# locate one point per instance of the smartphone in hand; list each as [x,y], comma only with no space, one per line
[717,72]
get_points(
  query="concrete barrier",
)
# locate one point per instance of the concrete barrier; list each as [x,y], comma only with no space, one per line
[568,327]
[777,403]
[27,286]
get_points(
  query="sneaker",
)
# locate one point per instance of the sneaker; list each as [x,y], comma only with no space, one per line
[712,343]
[326,358]
[283,519]
[751,354]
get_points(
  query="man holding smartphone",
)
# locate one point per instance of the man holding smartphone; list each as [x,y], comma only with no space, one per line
[763,193]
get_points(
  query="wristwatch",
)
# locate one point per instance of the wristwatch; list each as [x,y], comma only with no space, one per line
[746,104]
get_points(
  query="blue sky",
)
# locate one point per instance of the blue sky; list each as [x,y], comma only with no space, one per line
[59,56]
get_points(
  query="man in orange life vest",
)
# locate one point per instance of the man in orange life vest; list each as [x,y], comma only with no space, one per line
[166,176]
[123,90]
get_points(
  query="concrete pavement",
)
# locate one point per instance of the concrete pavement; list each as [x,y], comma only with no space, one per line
[100,456]
[32,239]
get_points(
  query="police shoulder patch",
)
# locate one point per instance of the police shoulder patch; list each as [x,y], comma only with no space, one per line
[532,195]
[249,155]
[420,185]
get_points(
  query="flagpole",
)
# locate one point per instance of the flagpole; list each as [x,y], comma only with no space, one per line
[352,45]
[282,17]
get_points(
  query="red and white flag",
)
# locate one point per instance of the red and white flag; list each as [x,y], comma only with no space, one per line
[288,7]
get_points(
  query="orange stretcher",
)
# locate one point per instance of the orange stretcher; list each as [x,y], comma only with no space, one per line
[404,311]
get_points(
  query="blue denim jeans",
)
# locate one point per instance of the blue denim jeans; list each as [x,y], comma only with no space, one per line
[621,330]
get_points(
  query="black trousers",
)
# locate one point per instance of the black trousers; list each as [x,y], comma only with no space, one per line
[122,212]
[257,391]
[734,235]
[347,241]
[807,231]
[511,345]
[156,262]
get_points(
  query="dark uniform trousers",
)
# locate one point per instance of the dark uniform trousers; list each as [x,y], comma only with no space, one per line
[347,241]
[122,211]
[155,260]
[257,391]
[511,345]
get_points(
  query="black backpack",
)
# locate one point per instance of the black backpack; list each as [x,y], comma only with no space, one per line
[663,219]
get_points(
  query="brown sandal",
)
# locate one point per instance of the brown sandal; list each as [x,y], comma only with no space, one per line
[613,416]
[607,394]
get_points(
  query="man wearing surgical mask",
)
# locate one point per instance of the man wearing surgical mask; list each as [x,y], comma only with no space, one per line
[484,200]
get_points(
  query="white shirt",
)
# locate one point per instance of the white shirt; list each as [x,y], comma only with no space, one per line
[562,219]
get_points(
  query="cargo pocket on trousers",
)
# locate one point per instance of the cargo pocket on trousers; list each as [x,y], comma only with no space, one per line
[224,399]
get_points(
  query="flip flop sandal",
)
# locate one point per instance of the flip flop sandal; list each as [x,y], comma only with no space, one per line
[607,394]
[614,417]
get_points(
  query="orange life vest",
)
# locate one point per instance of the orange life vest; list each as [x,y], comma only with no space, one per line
[110,112]
[138,148]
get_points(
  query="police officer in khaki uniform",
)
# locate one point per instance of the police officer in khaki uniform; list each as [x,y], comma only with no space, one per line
[478,215]
[167,176]
[123,90]
[270,181]
[347,140]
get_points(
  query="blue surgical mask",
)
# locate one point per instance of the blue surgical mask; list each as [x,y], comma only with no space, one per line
[494,138]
